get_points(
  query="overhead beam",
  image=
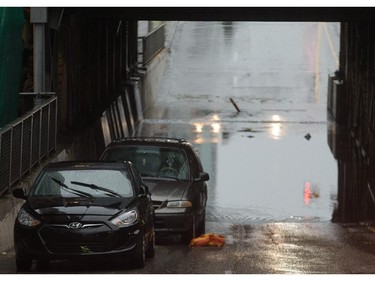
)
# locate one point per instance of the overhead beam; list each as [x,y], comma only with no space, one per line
[299,14]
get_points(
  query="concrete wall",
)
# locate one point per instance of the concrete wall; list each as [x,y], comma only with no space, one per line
[155,70]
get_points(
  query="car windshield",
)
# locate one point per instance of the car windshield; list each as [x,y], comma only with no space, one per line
[153,161]
[83,183]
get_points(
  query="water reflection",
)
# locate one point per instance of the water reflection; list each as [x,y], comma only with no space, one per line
[271,174]
[276,127]
[262,177]
[307,193]
[268,178]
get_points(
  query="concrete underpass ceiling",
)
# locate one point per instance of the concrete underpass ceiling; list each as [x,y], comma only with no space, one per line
[323,14]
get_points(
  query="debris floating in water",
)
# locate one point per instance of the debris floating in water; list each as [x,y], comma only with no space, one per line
[235,105]
[308,136]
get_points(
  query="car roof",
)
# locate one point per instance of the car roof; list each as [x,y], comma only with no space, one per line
[98,164]
[150,141]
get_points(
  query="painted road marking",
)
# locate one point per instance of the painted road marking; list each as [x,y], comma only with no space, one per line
[329,37]
[317,62]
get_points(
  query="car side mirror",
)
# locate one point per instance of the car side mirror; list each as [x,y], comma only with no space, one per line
[144,191]
[19,193]
[203,176]
[147,190]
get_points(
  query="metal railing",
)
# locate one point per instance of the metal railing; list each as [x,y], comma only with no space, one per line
[152,44]
[26,141]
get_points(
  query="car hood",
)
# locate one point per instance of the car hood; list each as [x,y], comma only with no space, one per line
[166,190]
[97,207]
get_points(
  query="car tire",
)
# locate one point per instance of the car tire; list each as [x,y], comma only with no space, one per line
[187,236]
[23,264]
[202,226]
[139,258]
[150,253]
[43,264]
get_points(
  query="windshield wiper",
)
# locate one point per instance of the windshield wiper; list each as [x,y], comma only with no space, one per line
[169,177]
[96,187]
[159,176]
[72,190]
[147,175]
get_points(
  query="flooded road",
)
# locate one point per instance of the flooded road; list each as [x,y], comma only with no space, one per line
[274,182]
[268,159]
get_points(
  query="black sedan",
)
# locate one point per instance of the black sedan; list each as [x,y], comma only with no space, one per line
[85,209]
[174,173]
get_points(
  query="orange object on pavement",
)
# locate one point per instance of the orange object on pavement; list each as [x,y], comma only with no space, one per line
[209,239]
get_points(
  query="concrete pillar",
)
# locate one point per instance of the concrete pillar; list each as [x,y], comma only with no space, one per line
[39,18]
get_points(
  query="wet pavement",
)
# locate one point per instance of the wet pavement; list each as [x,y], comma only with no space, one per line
[266,248]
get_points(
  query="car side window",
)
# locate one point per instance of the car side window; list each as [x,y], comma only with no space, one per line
[193,160]
[200,166]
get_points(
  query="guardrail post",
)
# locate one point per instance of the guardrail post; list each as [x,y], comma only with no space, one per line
[21,158]
[40,136]
[56,116]
[48,129]
[10,157]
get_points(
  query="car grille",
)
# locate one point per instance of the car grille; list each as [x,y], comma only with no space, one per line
[60,239]
[76,248]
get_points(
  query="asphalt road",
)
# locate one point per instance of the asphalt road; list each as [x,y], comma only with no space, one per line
[273,179]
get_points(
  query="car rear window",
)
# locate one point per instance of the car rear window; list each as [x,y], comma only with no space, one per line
[153,161]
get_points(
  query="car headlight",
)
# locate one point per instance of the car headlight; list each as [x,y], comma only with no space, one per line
[125,219]
[26,219]
[179,204]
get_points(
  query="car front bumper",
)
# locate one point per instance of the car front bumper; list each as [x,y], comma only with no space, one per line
[169,223]
[60,243]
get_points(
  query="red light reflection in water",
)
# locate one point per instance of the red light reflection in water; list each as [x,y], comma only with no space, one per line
[307,193]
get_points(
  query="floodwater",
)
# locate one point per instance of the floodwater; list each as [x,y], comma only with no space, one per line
[252,98]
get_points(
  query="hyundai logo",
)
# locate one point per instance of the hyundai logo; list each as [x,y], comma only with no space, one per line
[75,225]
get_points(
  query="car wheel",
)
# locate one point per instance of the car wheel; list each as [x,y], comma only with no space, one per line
[150,253]
[23,264]
[139,258]
[43,264]
[190,234]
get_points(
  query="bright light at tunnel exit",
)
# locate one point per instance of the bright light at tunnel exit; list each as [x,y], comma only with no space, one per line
[198,127]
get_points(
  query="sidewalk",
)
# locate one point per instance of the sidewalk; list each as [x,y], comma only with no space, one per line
[7,262]
[9,205]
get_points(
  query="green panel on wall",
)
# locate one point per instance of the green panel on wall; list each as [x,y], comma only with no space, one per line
[11,50]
